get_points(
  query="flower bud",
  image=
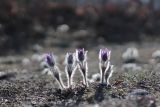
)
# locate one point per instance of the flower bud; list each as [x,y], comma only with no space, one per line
[50,59]
[70,58]
[81,55]
[104,54]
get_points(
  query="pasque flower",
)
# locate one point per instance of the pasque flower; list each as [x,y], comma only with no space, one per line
[50,60]
[104,55]
[70,67]
[104,62]
[81,56]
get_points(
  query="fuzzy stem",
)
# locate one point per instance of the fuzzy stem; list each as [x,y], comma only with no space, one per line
[108,81]
[102,78]
[57,75]
[107,77]
[69,81]
[108,74]
[102,74]
[61,83]
[86,80]
[69,72]
[84,76]
[83,69]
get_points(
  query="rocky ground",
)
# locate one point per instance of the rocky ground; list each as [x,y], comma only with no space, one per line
[23,84]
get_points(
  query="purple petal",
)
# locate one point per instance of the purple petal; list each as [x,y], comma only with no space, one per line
[105,54]
[50,59]
[81,55]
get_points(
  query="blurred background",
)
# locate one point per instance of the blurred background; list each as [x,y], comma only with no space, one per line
[30,24]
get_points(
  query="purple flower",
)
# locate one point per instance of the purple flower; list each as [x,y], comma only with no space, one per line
[70,67]
[50,59]
[104,57]
[81,55]
[104,54]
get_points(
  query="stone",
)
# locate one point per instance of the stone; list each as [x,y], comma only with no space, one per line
[130,55]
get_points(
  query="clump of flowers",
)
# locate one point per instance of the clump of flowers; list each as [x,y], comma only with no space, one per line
[79,60]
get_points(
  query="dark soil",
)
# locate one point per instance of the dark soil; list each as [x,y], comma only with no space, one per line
[27,86]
